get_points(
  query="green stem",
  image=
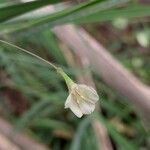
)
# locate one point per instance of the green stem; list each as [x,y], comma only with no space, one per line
[30,53]
[68,80]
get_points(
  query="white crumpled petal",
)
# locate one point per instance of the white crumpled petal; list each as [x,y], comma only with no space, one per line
[88,93]
[73,105]
[81,99]
[86,107]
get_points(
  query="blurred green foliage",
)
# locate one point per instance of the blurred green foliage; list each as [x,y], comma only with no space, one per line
[44,91]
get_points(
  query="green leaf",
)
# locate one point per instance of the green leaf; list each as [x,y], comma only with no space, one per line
[50,124]
[127,12]
[32,113]
[76,142]
[16,9]
[70,14]
[49,40]
[104,15]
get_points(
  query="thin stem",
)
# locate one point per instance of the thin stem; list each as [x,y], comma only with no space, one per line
[51,64]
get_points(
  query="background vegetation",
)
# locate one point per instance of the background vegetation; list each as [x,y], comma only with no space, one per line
[32,95]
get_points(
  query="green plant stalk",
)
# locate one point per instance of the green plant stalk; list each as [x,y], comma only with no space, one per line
[67,79]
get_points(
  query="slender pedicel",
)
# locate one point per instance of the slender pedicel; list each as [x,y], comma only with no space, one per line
[22,49]
[58,69]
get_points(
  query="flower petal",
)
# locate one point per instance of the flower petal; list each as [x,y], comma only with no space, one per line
[86,107]
[88,93]
[73,105]
[68,101]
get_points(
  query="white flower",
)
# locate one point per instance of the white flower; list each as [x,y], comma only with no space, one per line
[81,99]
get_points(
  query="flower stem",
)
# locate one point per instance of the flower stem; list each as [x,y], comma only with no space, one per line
[59,70]
[22,49]
[67,79]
